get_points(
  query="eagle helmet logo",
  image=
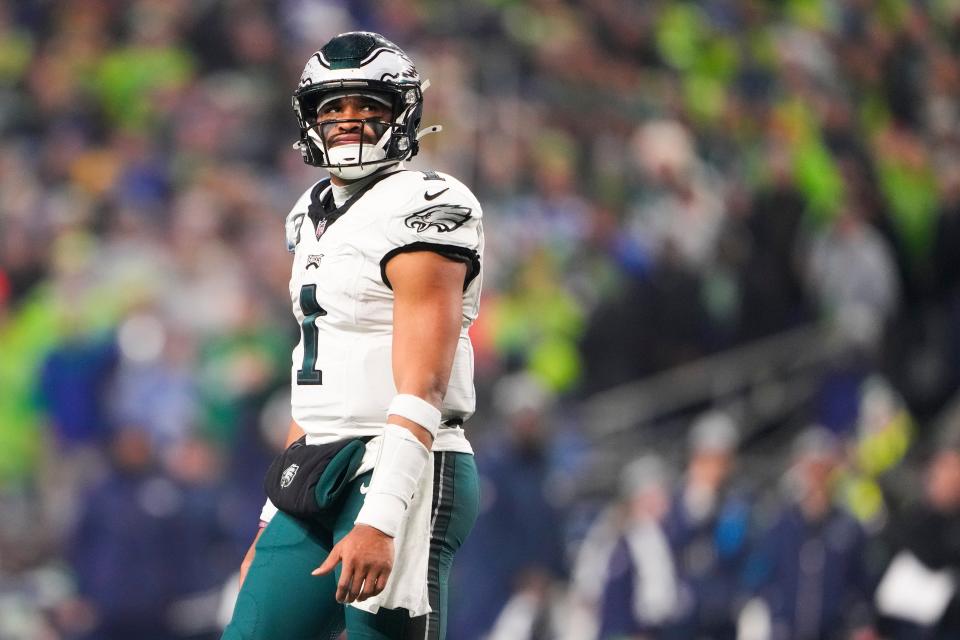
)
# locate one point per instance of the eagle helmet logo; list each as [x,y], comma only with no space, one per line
[288,475]
[360,63]
[443,217]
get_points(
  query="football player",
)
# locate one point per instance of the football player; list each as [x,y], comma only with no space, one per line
[385,285]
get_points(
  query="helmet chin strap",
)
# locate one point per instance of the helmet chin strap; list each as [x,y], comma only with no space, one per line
[357,171]
[355,161]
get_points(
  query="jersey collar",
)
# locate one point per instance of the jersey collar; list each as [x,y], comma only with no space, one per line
[322,210]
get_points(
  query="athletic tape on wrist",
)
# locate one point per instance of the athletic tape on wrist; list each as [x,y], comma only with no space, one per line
[267,512]
[395,478]
[416,410]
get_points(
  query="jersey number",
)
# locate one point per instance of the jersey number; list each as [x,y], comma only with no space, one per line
[308,373]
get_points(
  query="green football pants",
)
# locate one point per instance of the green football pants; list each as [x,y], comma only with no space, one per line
[280,600]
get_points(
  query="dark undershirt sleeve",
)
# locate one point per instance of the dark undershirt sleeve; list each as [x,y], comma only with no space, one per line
[467,256]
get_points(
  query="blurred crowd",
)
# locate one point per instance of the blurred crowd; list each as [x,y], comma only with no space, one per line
[661,181]
[701,548]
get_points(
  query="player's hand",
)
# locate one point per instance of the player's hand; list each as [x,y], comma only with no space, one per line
[367,556]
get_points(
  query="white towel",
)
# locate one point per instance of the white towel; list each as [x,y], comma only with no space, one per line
[407,585]
[913,592]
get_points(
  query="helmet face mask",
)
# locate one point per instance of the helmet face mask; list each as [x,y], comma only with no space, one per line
[353,160]
[367,64]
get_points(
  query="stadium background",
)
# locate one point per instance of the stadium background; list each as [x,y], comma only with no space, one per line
[737,205]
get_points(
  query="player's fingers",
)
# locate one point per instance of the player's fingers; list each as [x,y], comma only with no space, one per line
[374,584]
[369,582]
[356,585]
[330,563]
[344,586]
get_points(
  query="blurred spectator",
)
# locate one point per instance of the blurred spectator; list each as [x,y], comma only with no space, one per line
[516,545]
[851,270]
[885,431]
[927,533]
[72,380]
[773,295]
[207,544]
[123,552]
[640,590]
[155,386]
[946,265]
[685,207]
[653,323]
[591,568]
[537,323]
[708,528]
[531,613]
[810,566]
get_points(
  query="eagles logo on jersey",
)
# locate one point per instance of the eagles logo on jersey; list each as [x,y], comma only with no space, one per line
[443,217]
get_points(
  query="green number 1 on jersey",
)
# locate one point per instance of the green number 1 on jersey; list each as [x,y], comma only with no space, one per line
[311,309]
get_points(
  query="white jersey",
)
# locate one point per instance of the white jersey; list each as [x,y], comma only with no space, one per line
[342,375]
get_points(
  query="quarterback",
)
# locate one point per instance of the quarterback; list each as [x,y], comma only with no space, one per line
[387,266]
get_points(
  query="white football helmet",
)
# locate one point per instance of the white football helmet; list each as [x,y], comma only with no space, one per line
[360,63]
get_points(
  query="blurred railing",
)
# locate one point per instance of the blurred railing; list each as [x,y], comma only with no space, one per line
[764,383]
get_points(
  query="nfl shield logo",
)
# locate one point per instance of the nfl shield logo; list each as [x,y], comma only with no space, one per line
[288,476]
[321,227]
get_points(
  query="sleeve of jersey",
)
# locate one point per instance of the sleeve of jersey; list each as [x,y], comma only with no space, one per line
[450,226]
[298,214]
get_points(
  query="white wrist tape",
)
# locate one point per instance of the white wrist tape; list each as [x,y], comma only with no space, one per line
[395,478]
[268,511]
[416,410]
